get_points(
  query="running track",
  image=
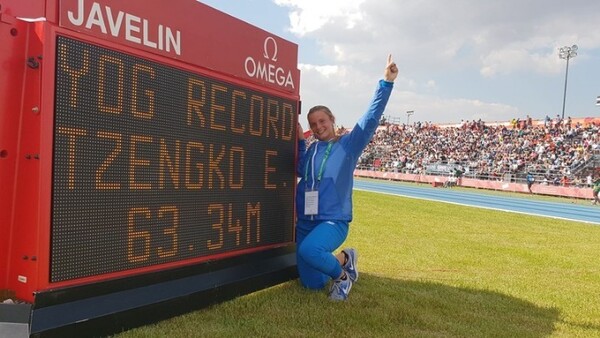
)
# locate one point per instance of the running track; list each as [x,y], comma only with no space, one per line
[566,211]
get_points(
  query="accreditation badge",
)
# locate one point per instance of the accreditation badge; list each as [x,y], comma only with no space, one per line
[311,202]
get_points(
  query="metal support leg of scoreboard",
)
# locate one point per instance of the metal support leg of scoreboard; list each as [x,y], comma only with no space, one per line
[113,306]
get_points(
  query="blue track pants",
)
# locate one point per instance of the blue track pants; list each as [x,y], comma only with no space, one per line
[316,241]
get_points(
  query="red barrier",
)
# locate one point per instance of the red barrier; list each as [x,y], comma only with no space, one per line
[437,181]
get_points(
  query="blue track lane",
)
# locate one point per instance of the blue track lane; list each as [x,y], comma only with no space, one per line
[566,211]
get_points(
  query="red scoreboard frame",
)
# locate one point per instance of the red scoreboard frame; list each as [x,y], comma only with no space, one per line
[148,145]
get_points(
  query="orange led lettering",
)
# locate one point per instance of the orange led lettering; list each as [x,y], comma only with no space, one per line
[195,101]
[287,120]
[252,211]
[213,166]
[170,231]
[216,108]
[72,134]
[219,209]
[136,162]
[239,164]
[75,74]
[272,117]
[172,164]
[233,226]
[135,110]
[234,103]
[257,106]
[188,165]
[269,169]
[111,106]
[117,139]
[134,235]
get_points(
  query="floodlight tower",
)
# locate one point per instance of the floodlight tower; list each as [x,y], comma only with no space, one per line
[567,53]
[408,114]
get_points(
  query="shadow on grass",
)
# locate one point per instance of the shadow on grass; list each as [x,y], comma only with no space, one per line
[378,307]
[382,307]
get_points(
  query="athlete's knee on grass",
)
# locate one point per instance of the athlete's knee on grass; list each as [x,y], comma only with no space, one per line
[314,282]
[319,259]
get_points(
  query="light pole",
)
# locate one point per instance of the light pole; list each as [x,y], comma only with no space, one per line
[408,114]
[567,53]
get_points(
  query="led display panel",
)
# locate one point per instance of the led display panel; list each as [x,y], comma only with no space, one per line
[156,164]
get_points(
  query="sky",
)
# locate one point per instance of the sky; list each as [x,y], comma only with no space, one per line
[458,60]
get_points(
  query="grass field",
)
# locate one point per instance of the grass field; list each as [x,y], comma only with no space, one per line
[430,269]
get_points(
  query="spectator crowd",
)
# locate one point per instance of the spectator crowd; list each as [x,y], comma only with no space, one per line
[555,151]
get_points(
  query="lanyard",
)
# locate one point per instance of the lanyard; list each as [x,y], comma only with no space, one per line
[320,174]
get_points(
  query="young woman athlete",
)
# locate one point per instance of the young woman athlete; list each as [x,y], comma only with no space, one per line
[324,192]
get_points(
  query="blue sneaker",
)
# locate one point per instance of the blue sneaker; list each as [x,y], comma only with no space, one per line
[340,288]
[350,266]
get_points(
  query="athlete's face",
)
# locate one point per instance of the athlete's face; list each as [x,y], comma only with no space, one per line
[321,125]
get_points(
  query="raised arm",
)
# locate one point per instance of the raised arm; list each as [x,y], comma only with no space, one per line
[365,127]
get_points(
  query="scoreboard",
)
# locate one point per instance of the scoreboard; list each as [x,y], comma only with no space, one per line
[147,160]
[153,164]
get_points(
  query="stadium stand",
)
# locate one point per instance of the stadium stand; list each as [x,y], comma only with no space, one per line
[557,152]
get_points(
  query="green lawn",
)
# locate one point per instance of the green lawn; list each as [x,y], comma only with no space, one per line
[431,269]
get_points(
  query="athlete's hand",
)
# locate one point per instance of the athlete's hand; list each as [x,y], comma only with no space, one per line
[300,132]
[391,70]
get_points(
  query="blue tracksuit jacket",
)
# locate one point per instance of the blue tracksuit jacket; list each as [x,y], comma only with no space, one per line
[335,187]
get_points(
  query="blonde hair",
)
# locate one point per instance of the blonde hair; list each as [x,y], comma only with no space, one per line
[321,108]
[328,112]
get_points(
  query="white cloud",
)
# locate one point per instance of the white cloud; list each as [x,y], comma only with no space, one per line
[310,15]
[442,110]
[430,84]
[326,71]
[470,40]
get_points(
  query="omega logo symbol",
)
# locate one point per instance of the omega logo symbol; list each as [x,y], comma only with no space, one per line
[266,46]
[268,71]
